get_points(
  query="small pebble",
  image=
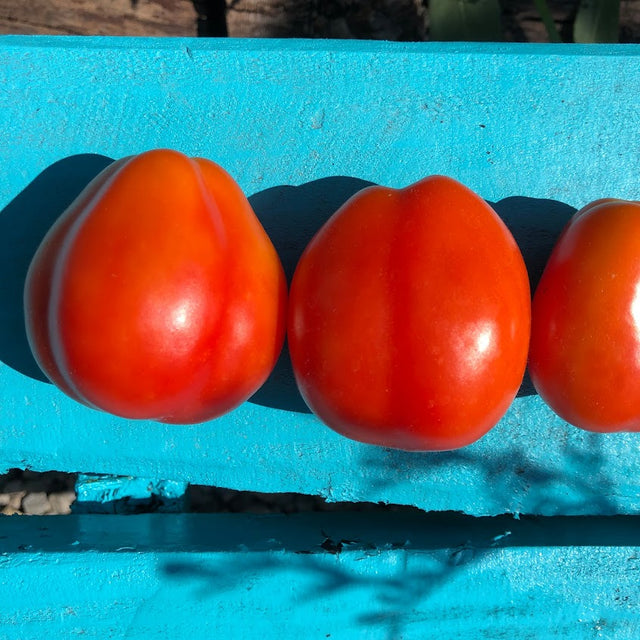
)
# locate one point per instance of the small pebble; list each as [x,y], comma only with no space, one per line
[36,504]
[60,503]
[15,499]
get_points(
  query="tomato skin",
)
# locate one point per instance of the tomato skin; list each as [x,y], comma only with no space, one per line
[157,294]
[585,340]
[409,316]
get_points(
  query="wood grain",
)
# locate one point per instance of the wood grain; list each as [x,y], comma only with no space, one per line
[116,17]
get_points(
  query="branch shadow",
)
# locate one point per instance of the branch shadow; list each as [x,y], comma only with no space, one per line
[389,570]
[567,500]
[575,482]
[393,601]
[23,224]
[395,590]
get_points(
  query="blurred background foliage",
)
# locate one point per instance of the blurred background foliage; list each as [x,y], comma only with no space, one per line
[583,21]
[597,21]
[592,20]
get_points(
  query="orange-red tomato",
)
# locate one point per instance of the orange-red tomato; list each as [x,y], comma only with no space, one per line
[409,317]
[585,337]
[157,294]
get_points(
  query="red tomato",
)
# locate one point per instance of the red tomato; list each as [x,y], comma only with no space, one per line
[585,335]
[157,294]
[409,317]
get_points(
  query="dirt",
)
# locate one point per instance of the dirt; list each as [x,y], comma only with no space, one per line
[374,19]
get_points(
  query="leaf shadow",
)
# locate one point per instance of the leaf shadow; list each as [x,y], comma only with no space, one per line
[511,477]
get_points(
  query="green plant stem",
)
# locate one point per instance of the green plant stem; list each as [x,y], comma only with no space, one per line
[547,20]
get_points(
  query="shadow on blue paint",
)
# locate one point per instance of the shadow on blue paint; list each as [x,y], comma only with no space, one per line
[380,574]
[130,506]
[23,224]
[388,597]
[291,216]
[535,225]
[365,572]
[574,483]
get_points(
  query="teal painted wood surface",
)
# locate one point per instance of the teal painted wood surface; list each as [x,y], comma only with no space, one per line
[537,130]
[318,576]
[126,495]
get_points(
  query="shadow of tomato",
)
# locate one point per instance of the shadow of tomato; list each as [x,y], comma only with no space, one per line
[291,216]
[23,224]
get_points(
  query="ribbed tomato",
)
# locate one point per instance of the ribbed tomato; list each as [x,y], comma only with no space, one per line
[157,294]
[409,317]
[585,334]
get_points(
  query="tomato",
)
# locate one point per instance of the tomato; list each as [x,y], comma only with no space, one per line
[157,294]
[585,337]
[409,317]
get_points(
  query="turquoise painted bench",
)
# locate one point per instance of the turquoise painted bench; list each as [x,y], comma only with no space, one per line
[532,532]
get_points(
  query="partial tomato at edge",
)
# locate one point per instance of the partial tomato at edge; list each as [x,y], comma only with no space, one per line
[157,294]
[409,317]
[585,338]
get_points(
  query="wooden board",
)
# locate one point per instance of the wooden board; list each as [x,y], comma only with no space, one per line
[317,576]
[538,130]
